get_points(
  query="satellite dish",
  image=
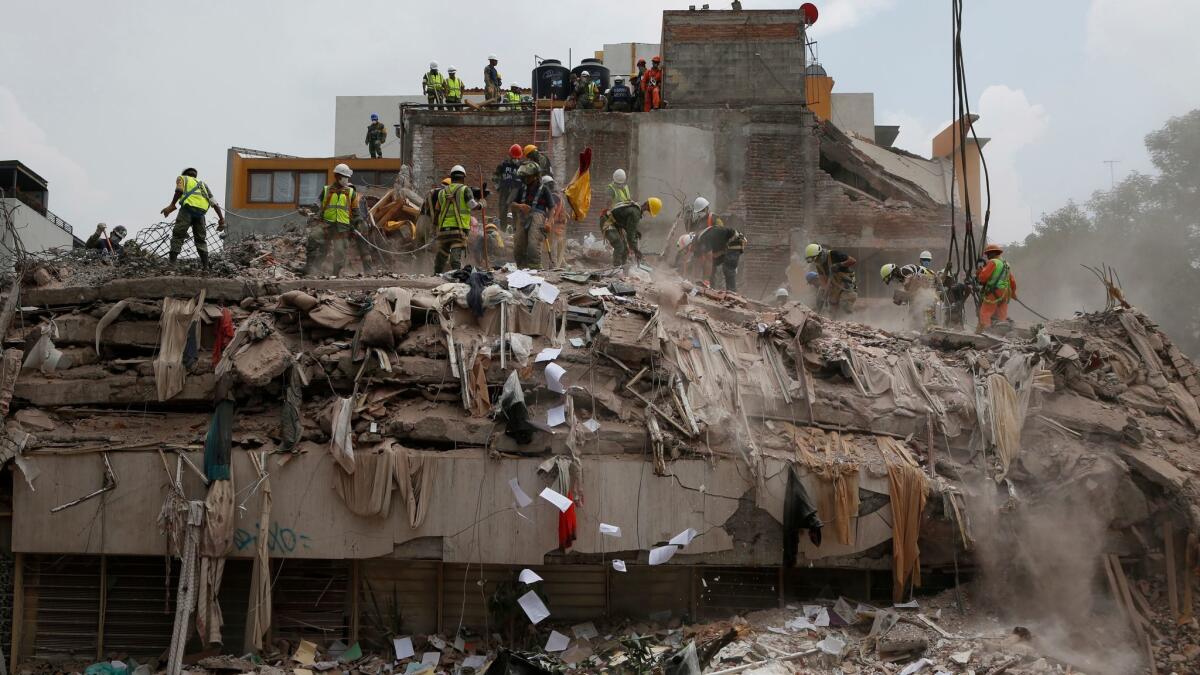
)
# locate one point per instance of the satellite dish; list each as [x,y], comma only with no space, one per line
[810,13]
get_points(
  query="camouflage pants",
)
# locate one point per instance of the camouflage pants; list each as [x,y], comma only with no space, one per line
[448,251]
[189,218]
[529,236]
[376,149]
[326,247]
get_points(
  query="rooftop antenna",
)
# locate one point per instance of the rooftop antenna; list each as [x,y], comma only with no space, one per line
[1112,172]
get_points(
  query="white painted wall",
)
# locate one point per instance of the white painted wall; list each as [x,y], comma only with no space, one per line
[621,59]
[352,114]
[854,113]
[37,234]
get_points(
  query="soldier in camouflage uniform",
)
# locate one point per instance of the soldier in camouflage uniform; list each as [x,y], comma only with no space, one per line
[376,135]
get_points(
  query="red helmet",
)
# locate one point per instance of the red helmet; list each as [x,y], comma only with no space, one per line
[641,62]
[657,59]
[515,151]
[993,248]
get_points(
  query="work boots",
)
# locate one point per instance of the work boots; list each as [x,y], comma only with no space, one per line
[203,259]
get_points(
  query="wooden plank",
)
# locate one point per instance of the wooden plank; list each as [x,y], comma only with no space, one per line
[1188,578]
[1168,532]
[1123,584]
[18,613]
[103,607]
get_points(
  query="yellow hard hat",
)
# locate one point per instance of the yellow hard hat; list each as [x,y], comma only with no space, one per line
[655,205]
[530,148]
[811,251]
[446,180]
[886,271]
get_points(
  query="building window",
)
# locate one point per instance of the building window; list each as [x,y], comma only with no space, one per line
[283,189]
[311,183]
[275,187]
[260,186]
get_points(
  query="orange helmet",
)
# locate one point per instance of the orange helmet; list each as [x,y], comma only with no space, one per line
[993,248]
[656,59]
[515,151]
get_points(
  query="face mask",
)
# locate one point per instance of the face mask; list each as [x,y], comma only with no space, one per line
[343,181]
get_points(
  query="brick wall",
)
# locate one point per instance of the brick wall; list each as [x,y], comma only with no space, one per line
[610,135]
[722,57]
[438,141]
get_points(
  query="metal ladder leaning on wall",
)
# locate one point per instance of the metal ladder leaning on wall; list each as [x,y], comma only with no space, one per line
[543,136]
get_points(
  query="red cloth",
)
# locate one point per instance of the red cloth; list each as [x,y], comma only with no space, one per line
[567,524]
[224,334]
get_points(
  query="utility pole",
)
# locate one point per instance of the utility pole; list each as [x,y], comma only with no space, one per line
[1112,172]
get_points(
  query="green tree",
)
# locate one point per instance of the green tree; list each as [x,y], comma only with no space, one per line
[1147,227]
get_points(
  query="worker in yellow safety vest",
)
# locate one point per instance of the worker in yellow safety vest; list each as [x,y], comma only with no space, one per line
[194,198]
[336,223]
[434,86]
[618,190]
[452,215]
[454,88]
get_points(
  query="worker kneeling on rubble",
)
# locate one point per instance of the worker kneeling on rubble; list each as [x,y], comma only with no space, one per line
[453,217]
[998,287]
[337,221]
[837,278]
[720,247]
[620,227]
[915,290]
[106,243]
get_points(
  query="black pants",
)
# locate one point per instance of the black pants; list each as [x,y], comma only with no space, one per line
[728,262]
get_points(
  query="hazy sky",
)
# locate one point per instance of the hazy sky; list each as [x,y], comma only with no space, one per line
[110,100]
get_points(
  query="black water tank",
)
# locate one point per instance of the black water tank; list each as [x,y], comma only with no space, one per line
[551,79]
[597,71]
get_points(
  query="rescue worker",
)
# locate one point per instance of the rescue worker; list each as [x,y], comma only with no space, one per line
[194,199]
[652,85]
[491,80]
[509,183]
[376,135]
[618,190]
[720,247]
[513,98]
[455,202]
[532,154]
[812,281]
[701,216]
[454,88]
[585,92]
[556,224]
[998,287]
[688,260]
[916,291]
[619,98]
[838,281]
[926,260]
[535,202]
[101,241]
[433,85]
[639,98]
[781,296]
[619,225]
[337,219]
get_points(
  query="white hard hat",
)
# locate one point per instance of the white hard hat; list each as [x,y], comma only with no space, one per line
[433,65]
[457,168]
[584,73]
[343,170]
[699,205]
[492,57]
[781,292]
[452,69]
[926,255]
[619,176]
[547,179]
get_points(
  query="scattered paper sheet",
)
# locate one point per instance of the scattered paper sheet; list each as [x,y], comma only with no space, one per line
[404,648]
[306,653]
[911,604]
[592,425]
[610,530]
[662,554]
[557,642]
[556,499]
[547,293]
[800,623]
[437,642]
[599,292]
[523,499]
[528,576]
[475,662]
[832,645]
[547,354]
[585,631]
[460,644]
[822,619]
[683,538]
[916,667]
[521,279]
[556,415]
[534,608]
[554,374]
[576,342]
[431,658]
[619,565]
[417,668]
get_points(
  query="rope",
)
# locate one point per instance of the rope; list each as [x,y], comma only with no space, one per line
[1040,316]
[243,217]
[413,252]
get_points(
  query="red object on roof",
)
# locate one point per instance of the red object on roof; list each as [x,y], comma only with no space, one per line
[810,13]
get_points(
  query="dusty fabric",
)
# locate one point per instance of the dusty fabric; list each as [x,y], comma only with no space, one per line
[516,413]
[290,426]
[298,299]
[208,611]
[191,349]
[908,491]
[567,520]
[225,333]
[540,320]
[258,617]
[798,514]
[177,315]
[1005,421]
[481,403]
[218,442]
[334,312]
[839,499]
[414,475]
[368,491]
[341,443]
[215,543]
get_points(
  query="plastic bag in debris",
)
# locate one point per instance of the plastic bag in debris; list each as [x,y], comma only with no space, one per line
[45,356]
[512,405]
[592,244]
[684,662]
[521,345]
[453,291]
[494,295]
[832,645]
[508,663]
[107,668]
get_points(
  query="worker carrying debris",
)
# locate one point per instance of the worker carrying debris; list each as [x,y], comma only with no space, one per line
[376,135]
[652,85]
[509,184]
[619,97]
[585,92]
[491,80]
[620,226]
[998,287]
[455,202]
[720,247]
[337,220]
[532,154]
[916,290]
[194,198]
[454,88]
[105,243]
[535,202]
[838,280]
[433,85]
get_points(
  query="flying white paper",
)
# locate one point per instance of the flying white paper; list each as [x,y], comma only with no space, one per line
[528,576]
[585,631]
[534,608]
[592,425]
[662,554]
[523,499]
[547,354]
[547,293]
[610,530]
[619,565]
[563,503]
[556,415]
[554,374]
[683,538]
[404,648]
[557,642]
